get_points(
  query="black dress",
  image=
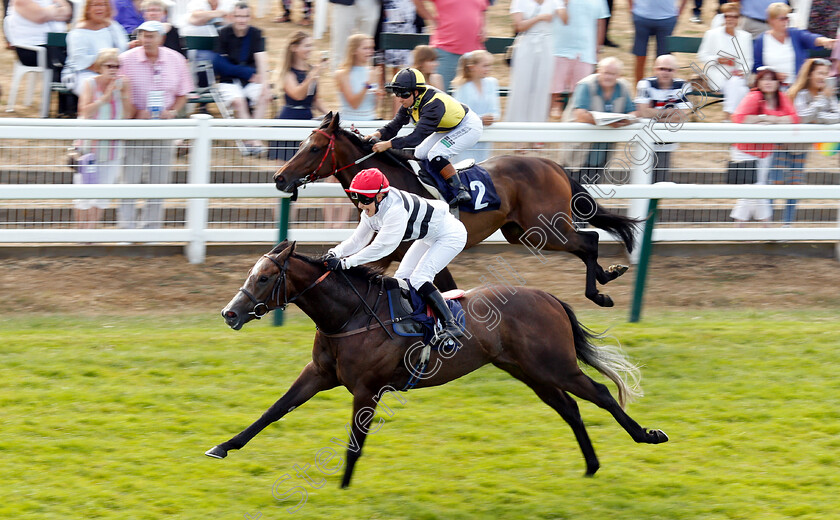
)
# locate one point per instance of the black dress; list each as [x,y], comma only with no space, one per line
[294,109]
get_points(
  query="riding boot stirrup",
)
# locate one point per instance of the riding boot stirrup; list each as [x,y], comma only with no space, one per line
[432,296]
[463,194]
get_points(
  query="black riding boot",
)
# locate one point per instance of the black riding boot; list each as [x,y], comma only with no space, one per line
[432,296]
[454,180]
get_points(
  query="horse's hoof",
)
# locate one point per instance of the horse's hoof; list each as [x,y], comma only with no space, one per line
[216,452]
[658,436]
[617,269]
[606,301]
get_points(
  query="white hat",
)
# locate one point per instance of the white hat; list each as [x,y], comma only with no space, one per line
[152,26]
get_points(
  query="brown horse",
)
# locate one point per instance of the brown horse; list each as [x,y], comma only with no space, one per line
[536,339]
[539,202]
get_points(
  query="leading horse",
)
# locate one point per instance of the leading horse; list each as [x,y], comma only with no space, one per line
[536,339]
[539,202]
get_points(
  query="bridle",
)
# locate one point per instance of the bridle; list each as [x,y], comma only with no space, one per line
[330,152]
[261,307]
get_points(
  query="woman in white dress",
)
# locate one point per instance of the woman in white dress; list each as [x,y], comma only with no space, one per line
[532,65]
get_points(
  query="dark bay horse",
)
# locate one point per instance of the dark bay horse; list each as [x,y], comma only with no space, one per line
[536,339]
[539,202]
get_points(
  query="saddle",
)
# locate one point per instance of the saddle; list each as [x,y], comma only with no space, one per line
[411,317]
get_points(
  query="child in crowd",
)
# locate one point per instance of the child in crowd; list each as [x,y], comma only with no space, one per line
[358,96]
[104,96]
[425,60]
[475,88]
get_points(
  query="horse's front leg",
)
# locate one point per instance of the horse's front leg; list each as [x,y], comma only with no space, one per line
[364,407]
[310,381]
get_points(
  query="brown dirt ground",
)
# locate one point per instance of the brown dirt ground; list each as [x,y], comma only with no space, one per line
[131,285]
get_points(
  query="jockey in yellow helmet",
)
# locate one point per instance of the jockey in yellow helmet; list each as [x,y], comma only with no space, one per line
[444,127]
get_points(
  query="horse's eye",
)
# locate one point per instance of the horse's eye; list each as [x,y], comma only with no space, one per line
[263,279]
[313,149]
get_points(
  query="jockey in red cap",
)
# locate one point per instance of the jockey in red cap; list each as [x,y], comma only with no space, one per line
[396,216]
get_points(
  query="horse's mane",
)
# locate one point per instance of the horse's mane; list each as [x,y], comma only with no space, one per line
[394,159]
[363,273]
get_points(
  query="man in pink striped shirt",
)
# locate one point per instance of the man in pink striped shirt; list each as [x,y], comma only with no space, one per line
[160,81]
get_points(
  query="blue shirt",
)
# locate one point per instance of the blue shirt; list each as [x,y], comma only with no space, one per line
[578,38]
[582,99]
[126,15]
[757,8]
[655,9]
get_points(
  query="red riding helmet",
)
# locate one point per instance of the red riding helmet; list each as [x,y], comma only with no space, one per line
[368,183]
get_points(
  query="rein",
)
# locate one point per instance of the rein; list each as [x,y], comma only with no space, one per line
[330,152]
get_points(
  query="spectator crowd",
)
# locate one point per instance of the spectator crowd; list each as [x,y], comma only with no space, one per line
[128,59]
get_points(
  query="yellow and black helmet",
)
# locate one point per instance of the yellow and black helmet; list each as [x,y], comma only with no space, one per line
[406,81]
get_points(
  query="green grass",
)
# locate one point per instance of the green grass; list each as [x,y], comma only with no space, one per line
[109,418]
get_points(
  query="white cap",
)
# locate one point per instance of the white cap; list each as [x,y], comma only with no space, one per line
[152,26]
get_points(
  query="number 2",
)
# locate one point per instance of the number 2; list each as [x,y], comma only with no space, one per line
[477,199]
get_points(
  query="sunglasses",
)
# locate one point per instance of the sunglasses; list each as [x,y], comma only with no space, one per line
[362,199]
[666,69]
[783,18]
[112,66]
[732,16]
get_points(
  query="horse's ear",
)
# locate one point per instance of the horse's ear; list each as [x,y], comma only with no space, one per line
[283,246]
[327,119]
[333,126]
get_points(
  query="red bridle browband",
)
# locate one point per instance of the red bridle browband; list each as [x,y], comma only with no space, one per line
[330,151]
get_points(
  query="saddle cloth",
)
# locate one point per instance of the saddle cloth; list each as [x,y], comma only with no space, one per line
[411,316]
[473,176]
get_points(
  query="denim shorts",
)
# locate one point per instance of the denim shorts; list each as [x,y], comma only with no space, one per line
[646,27]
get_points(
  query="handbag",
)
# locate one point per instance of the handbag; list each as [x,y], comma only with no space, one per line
[741,172]
[88,170]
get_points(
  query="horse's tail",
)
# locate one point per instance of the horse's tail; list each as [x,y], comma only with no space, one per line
[606,359]
[617,225]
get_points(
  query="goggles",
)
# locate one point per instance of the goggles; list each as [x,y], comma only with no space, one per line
[399,92]
[362,199]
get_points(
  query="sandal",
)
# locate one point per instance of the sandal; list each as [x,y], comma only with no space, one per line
[305,22]
[283,19]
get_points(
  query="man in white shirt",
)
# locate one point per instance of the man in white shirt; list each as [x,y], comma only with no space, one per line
[662,98]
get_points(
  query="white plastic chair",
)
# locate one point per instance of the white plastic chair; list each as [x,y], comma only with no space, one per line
[20,70]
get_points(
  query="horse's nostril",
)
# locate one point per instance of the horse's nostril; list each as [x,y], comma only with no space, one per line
[229,314]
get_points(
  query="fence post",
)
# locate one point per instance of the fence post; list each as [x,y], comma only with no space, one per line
[640,173]
[642,267]
[199,173]
[282,234]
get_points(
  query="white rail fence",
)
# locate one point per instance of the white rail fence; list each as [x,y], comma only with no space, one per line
[206,136]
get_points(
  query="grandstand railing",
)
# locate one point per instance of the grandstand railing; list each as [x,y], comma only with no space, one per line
[35,189]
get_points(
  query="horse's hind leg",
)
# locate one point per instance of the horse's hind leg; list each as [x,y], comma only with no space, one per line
[585,387]
[568,410]
[310,381]
[564,405]
[587,251]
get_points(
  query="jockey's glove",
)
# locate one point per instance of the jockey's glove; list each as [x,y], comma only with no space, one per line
[333,263]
